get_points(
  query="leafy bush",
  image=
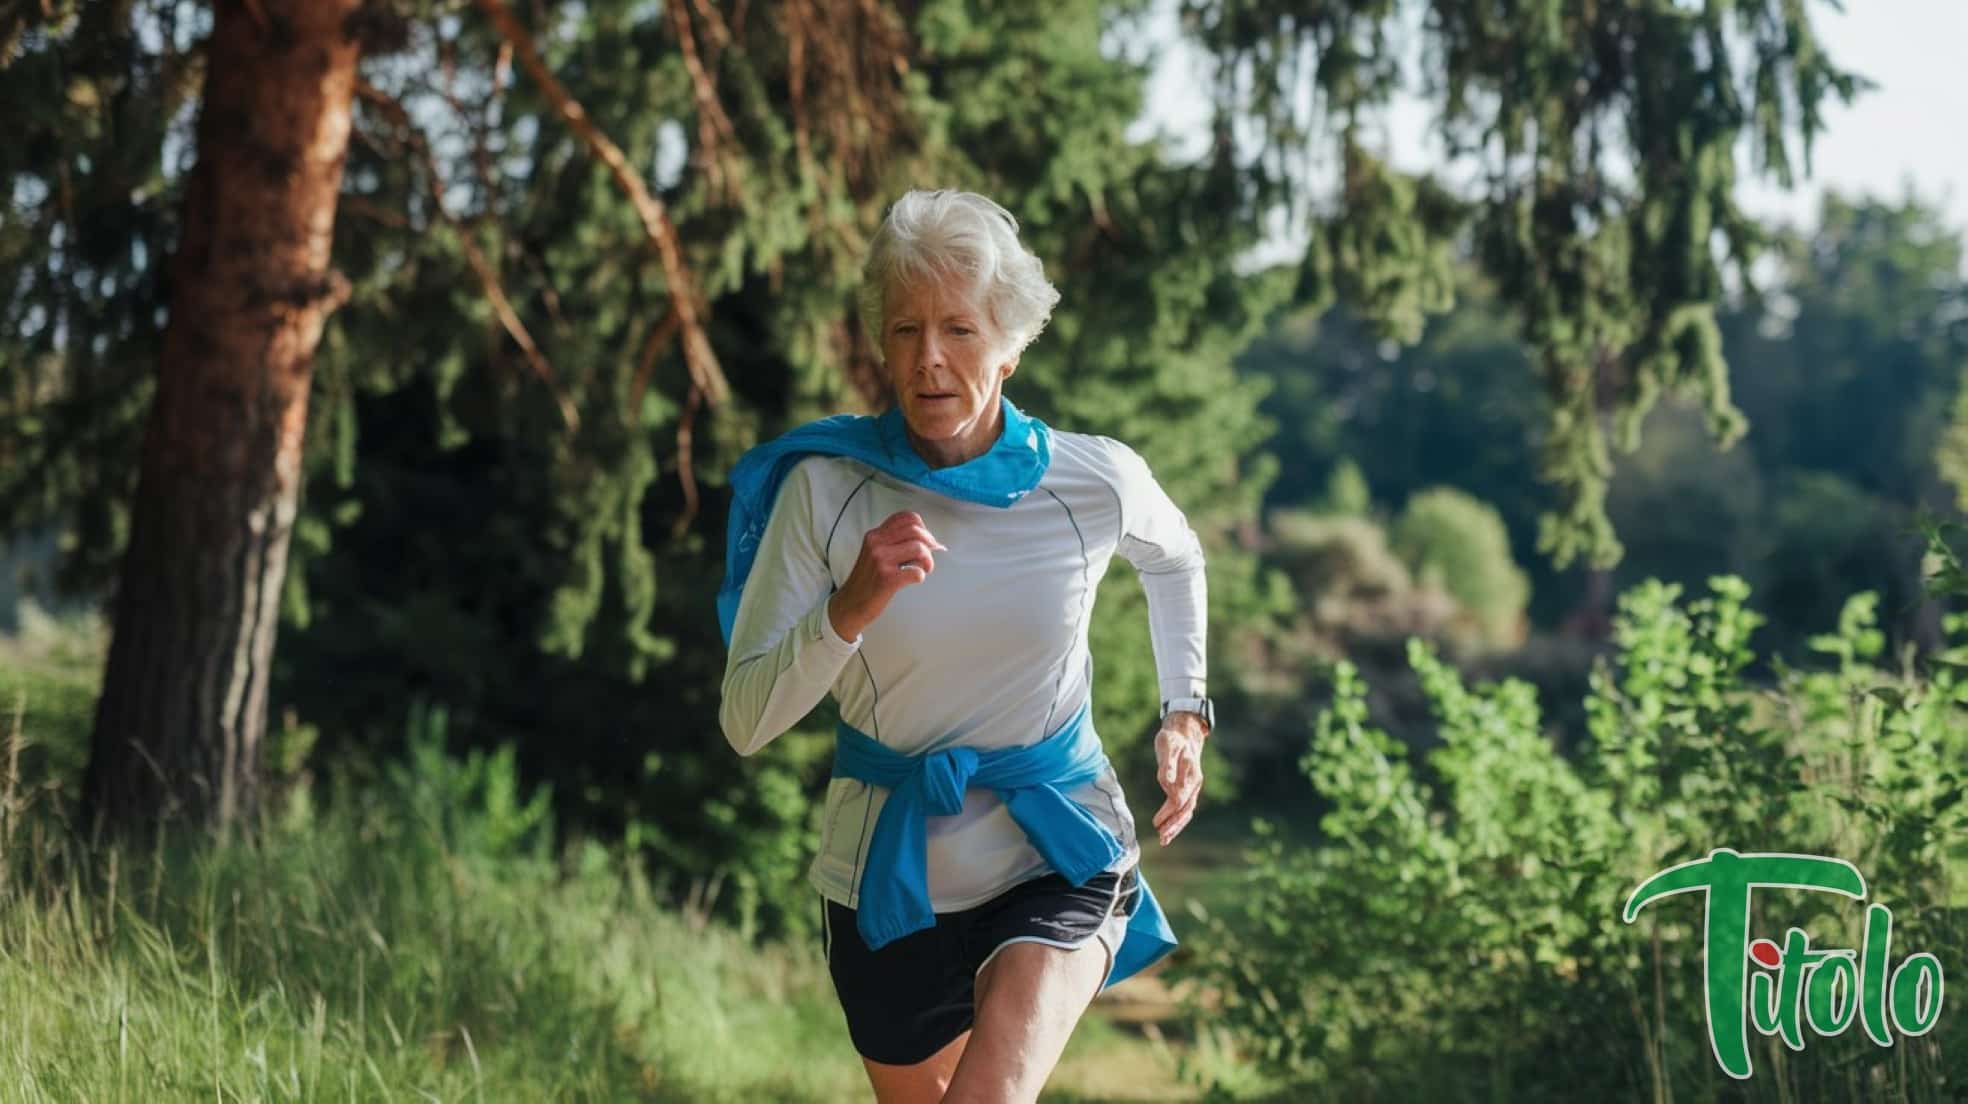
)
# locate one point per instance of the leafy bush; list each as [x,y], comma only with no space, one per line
[1341,556]
[1346,490]
[1457,934]
[1461,541]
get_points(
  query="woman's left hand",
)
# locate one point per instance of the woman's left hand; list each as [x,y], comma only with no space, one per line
[1179,768]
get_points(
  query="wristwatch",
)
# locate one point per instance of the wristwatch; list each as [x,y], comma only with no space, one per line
[1203,706]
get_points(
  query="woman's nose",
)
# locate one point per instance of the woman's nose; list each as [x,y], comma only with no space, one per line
[929,354]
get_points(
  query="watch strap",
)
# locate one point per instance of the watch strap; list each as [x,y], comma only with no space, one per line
[1202,706]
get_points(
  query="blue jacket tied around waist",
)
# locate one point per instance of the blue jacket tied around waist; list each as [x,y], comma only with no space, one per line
[894,886]
[1031,780]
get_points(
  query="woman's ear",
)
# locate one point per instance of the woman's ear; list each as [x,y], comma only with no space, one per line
[1010,366]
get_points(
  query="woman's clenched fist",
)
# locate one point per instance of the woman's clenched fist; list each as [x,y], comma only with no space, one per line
[897,553]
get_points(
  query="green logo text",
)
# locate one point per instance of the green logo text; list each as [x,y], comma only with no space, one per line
[1832,986]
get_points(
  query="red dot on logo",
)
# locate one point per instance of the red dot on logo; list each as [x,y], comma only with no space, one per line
[1765,952]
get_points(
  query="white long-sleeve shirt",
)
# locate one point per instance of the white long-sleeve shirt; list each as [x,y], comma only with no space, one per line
[990,651]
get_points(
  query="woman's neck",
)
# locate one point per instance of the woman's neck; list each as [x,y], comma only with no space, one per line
[963,448]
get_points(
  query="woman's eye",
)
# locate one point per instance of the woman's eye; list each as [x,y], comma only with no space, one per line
[960,331]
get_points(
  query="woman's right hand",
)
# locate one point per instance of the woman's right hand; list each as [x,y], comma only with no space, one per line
[894,554]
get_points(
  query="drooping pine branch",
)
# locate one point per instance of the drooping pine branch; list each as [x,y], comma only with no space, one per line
[1602,142]
[488,275]
[705,374]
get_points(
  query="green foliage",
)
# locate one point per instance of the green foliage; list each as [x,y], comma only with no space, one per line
[1691,509]
[93,176]
[1605,138]
[1848,367]
[1824,533]
[1460,408]
[1338,558]
[1858,347]
[1346,490]
[1360,597]
[1459,937]
[1442,570]
[1460,542]
[548,586]
[1846,363]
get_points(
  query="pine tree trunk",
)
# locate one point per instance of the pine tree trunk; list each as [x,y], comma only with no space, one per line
[184,698]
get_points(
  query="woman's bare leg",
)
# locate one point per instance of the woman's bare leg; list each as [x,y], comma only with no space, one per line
[922,1083]
[1029,997]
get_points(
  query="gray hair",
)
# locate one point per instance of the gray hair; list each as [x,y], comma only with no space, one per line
[945,234]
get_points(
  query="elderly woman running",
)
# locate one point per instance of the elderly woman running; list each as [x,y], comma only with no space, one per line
[935,568]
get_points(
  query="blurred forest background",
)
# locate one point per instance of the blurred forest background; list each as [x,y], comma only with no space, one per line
[1562,525]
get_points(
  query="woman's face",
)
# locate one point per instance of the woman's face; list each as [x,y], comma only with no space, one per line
[947,364]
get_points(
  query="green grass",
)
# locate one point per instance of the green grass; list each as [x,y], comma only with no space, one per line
[48,675]
[415,934]
[365,952]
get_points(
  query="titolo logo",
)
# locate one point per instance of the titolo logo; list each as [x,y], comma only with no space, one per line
[1833,985]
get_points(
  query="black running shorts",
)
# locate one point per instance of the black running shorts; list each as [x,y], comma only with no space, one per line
[908,1000]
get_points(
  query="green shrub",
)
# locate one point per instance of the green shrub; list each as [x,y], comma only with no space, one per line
[1346,490]
[1341,555]
[1457,935]
[1460,541]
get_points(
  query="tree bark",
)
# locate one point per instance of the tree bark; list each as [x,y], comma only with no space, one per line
[184,700]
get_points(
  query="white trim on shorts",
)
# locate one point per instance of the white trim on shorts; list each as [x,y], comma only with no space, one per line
[1111,941]
[827,929]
